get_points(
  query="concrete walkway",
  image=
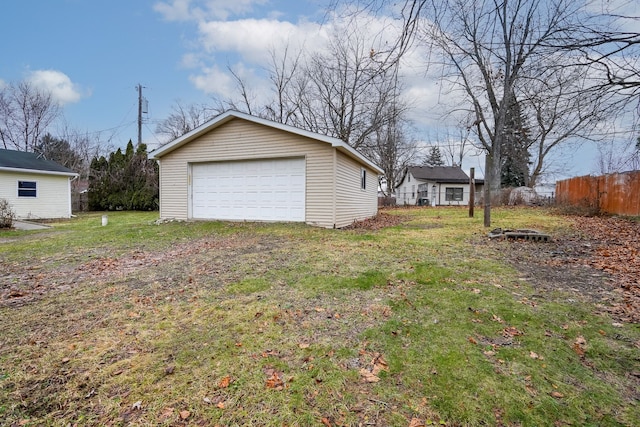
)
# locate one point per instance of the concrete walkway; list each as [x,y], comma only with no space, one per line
[25,225]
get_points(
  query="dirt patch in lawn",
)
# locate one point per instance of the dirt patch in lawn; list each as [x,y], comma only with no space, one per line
[597,260]
[19,286]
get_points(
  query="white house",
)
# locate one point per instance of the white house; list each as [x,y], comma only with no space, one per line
[240,167]
[435,186]
[35,187]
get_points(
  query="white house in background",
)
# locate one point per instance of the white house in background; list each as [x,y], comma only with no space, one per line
[243,168]
[35,187]
[435,186]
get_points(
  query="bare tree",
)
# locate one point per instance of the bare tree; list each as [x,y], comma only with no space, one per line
[25,115]
[183,119]
[492,50]
[85,146]
[563,107]
[612,47]
[619,157]
[391,148]
[455,144]
[283,72]
[347,91]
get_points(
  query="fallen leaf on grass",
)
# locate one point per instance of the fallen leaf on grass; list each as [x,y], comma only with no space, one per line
[167,413]
[325,421]
[511,331]
[274,379]
[304,345]
[224,382]
[220,405]
[368,376]
[379,364]
[185,414]
[535,355]
[579,346]
[557,394]
[416,422]
[137,405]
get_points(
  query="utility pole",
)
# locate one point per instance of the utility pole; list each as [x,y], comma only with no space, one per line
[140,100]
[472,191]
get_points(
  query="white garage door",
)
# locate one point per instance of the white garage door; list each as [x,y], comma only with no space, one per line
[255,190]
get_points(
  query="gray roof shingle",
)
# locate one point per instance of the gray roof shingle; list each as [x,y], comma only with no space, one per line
[439,173]
[12,159]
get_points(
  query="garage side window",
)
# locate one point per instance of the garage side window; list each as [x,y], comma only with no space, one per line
[27,189]
[363,179]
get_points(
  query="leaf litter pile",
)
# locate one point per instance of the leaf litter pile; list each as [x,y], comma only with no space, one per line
[599,261]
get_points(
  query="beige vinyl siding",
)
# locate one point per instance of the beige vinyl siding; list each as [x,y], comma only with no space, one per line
[53,195]
[352,202]
[243,140]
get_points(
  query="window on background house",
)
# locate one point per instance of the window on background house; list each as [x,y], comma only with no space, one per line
[27,189]
[363,179]
[413,191]
[453,194]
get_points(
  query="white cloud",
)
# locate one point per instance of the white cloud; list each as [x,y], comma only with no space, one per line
[253,39]
[190,10]
[57,83]
[191,60]
[248,43]
[214,81]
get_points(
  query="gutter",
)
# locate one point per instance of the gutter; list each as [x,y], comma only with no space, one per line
[40,172]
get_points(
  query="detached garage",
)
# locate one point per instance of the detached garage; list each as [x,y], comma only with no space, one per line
[243,168]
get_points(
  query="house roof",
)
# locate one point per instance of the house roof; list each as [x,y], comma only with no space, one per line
[451,174]
[22,161]
[231,114]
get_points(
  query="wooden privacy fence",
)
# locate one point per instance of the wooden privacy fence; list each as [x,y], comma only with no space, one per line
[616,193]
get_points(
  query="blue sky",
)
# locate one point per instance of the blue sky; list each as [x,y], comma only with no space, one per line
[93,53]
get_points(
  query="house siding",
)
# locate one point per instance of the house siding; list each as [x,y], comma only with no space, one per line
[352,202]
[407,192]
[243,140]
[441,189]
[403,192]
[53,198]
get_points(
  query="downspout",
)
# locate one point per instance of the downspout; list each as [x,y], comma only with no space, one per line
[333,184]
[73,178]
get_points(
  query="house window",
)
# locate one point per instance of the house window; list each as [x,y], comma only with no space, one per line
[363,179]
[453,194]
[413,191]
[27,189]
